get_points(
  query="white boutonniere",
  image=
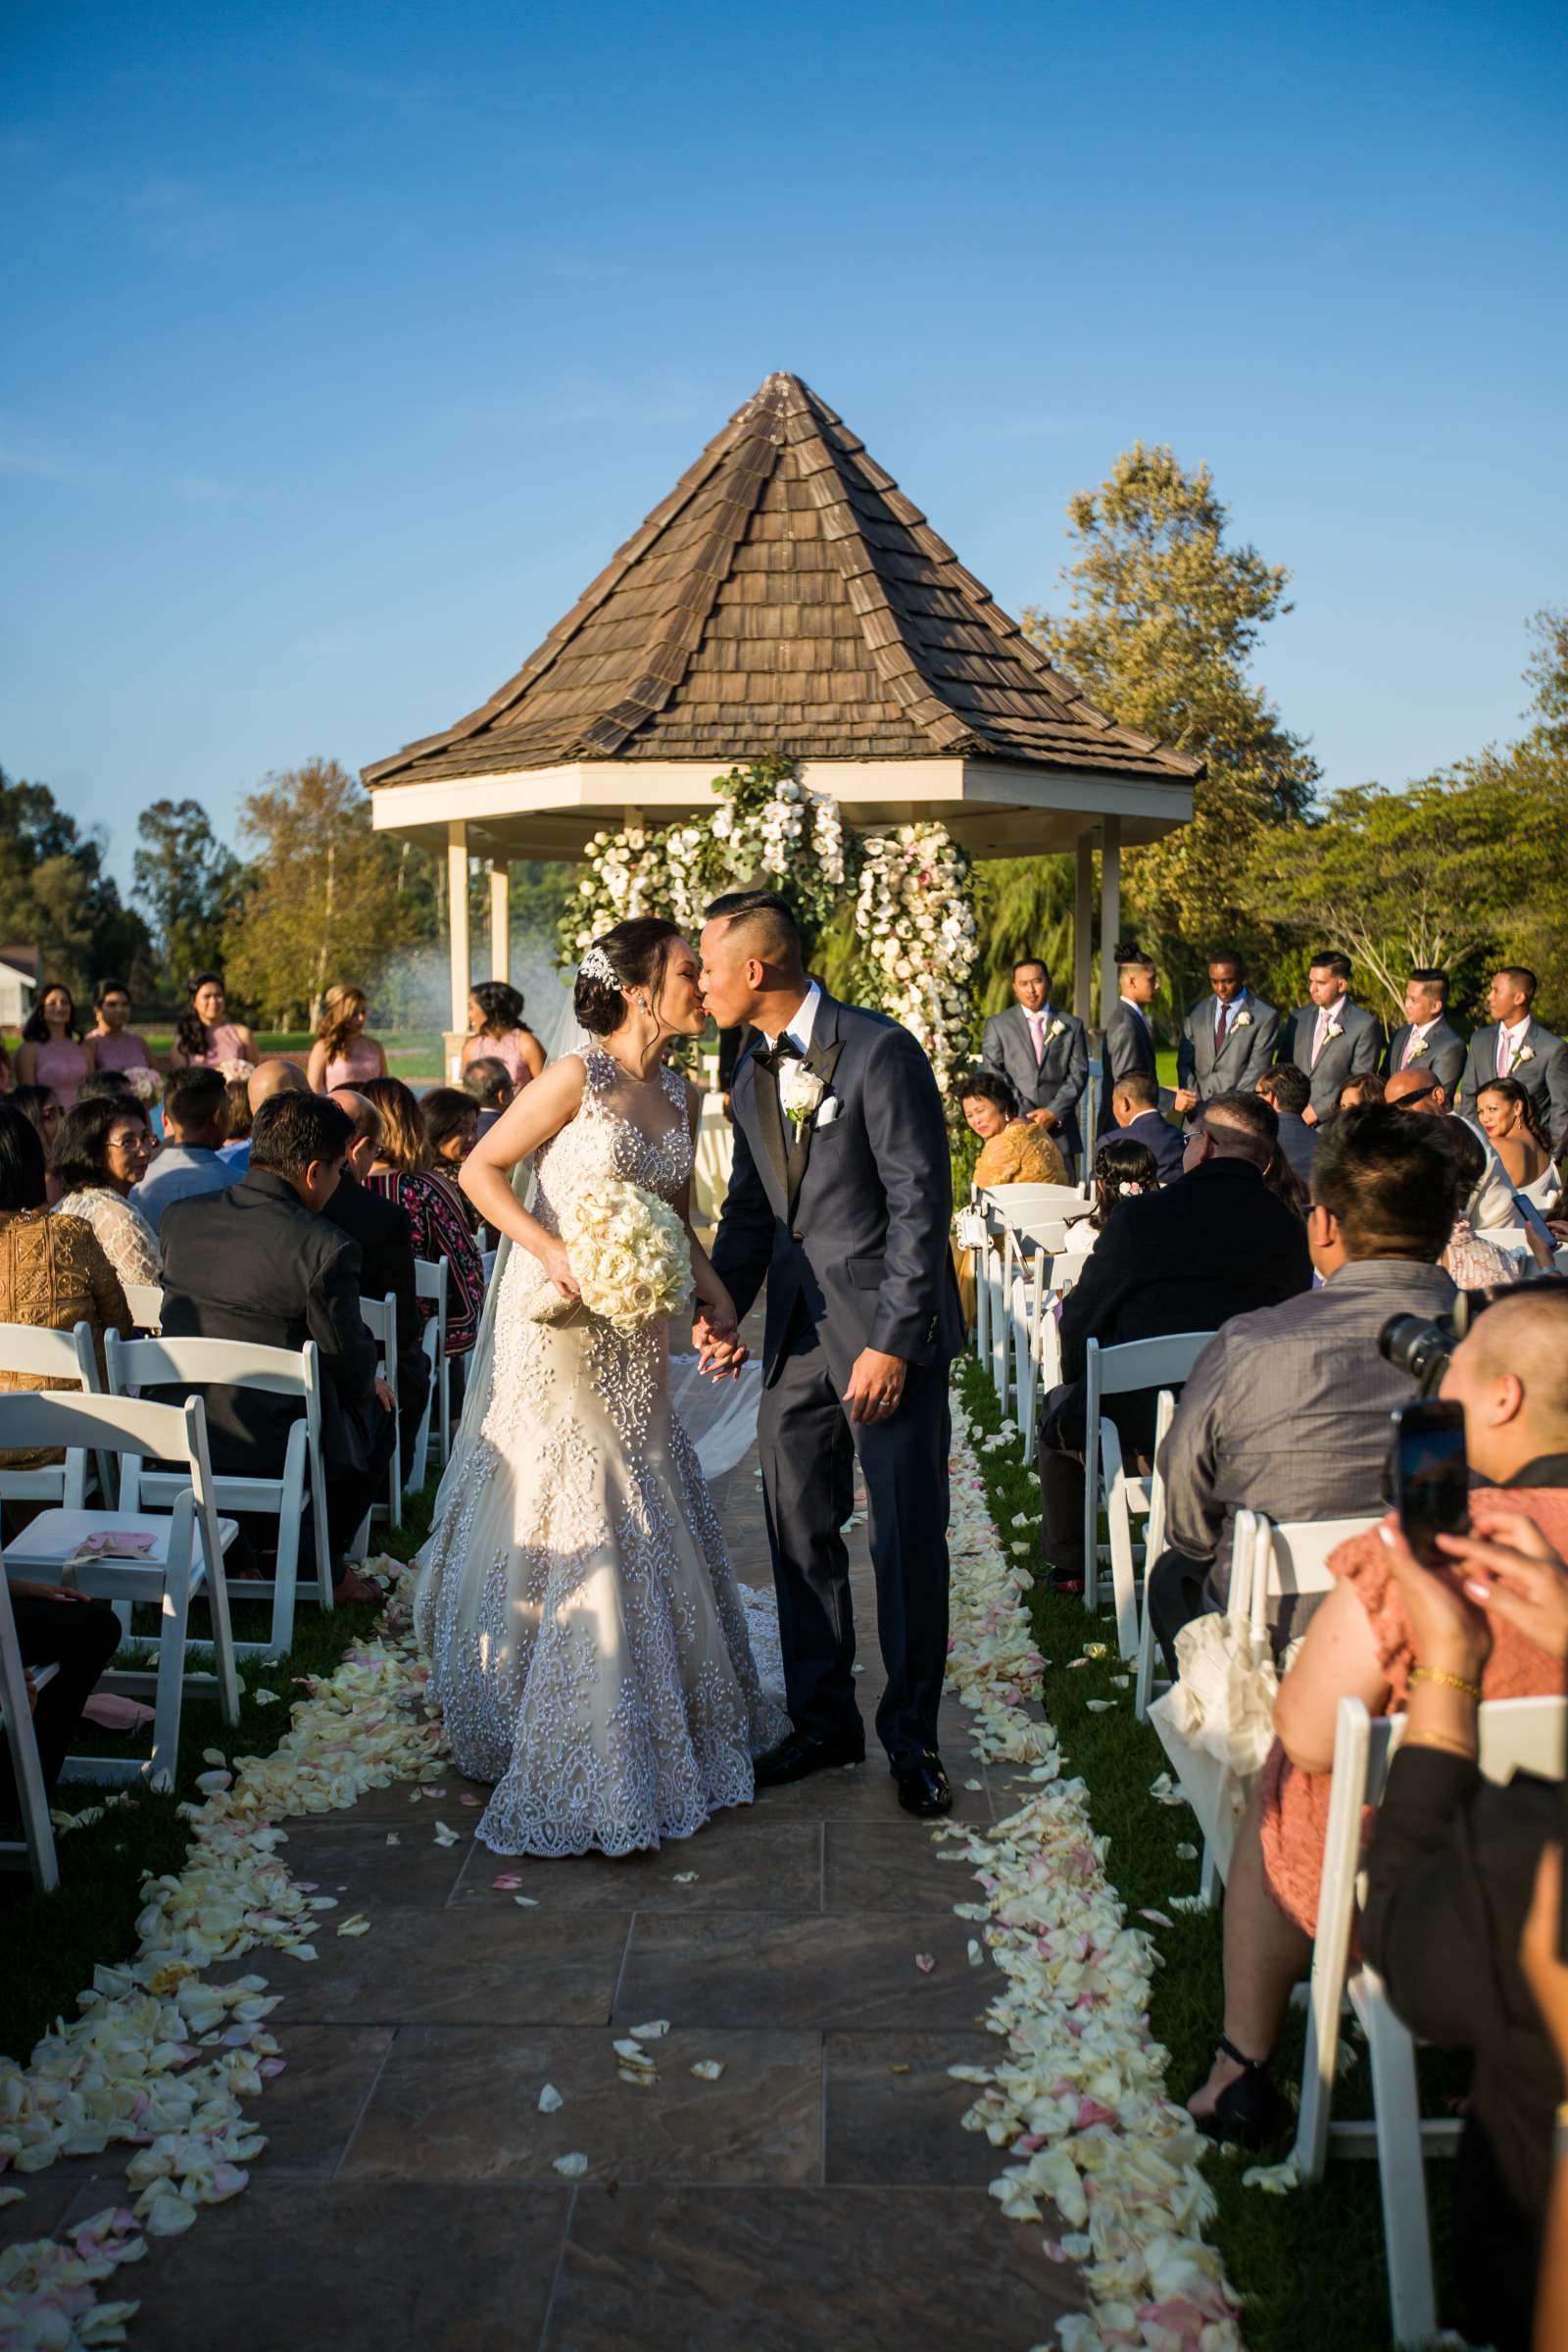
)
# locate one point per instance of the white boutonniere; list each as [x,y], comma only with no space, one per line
[1525,1053]
[1242,1020]
[1056,1029]
[1332,1032]
[1417,1052]
[800,1092]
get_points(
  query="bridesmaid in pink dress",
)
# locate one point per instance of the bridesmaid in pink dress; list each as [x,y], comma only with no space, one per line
[343,1055]
[52,1053]
[203,1036]
[496,1032]
[116,1045]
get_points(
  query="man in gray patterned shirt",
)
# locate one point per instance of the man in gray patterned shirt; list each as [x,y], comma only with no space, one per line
[1286,1410]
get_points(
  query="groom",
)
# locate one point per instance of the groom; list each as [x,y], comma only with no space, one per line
[841,1198]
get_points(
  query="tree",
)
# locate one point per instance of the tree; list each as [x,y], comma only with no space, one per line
[326,897]
[190,884]
[1164,614]
[55,896]
[1023,907]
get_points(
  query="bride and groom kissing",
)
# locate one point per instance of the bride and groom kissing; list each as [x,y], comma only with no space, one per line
[588,1649]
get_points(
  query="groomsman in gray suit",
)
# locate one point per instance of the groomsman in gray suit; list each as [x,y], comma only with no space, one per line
[1330,1037]
[1227,1039]
[1516,1046]
[1127,1047]
[1042,1054]
[1425,1041]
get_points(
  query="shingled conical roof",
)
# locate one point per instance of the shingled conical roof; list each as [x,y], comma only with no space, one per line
[785,597]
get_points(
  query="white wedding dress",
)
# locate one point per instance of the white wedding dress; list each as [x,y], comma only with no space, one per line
[588,1645]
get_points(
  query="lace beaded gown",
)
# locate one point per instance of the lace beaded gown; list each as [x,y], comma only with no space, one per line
[588,1645]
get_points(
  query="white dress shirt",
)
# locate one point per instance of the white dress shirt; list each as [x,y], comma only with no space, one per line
[799,1030]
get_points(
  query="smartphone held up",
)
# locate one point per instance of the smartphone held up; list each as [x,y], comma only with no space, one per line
[1428,1476]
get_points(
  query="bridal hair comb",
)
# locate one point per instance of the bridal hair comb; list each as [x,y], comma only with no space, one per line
[596,965]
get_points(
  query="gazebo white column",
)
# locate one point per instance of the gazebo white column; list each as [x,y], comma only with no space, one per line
[1083,915]
[1109,912]
[500,919]
[458,934]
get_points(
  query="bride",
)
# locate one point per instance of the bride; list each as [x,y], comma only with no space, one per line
[588,1648]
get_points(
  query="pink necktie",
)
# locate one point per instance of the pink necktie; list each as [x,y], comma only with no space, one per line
[1319,1040]
[1037,1035]
[1505,1050]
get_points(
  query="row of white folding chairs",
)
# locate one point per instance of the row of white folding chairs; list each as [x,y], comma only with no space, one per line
[186,1558]
[1515,1735]
[1021,1223]
[1163,1365]
[36,1845]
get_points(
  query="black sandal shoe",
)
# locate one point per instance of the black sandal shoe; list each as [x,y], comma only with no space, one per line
[1250,2110]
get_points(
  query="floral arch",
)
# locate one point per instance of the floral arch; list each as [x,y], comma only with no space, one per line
[905,895]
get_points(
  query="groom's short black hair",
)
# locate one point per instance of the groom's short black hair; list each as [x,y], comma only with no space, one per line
[767,916]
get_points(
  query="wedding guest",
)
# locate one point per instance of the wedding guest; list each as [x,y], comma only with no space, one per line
[1425,1036]
[344,1052]
[489,1081]
[108,1086]
[1187,1258]
[53,1272]
[1290,1092]
[77,1636]
[52,1052]
[261,1262]
[1287,1409]
[1013,1149]
[1127,1047]
[1227,1039]
[1135,1108]
[497,1032]
[1510,1375]
[1456,1900]
[239,1122]
[1508,1115]
[204,1032]
[386,1258]
[195,1130]
[1515,1045]
[100,1156]
[1494,1210]
[1475,1265]
[437,1213]
[273,1076]
[43,1109]
[1329,1037]
[1356,1093]
[1125,1169]
[116,1045]
[1043,1051]
[451,1121]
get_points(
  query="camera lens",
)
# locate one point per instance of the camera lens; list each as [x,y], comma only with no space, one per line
[1414,1345]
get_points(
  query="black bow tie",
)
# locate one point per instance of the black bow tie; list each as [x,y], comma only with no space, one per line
[785,1051]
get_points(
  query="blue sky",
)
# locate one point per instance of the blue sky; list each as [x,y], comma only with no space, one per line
[344,343]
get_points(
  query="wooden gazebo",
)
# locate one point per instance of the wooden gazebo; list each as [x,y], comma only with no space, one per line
[785,597]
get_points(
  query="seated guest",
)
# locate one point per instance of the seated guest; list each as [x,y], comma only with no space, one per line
[273,1076]
[1453,1877]
[1124,1171]
[1510,1119]
[195,1130]
[1510,1375]
[1287,1090]
[489,1081]
[1474,1264]
[437,1213]
[1356,1093]
[53,1272]
[1134,1108]
[1494,1210]
[1425,1036]
[77,1636]
[1330,1037]
[43,1110]
[100,1157]
[1187,1258]
[451,1119]
[260,1262]
[107,1086]
[386,1257]
[1013,1149]
[239,1123]
[1287,1409]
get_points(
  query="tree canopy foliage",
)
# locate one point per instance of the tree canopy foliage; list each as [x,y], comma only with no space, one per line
[191,885]
[55,895]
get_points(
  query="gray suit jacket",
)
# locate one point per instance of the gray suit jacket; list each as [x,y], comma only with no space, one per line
[853,1237]
[1056,1081]
[1126,1046]
[1443,1056]
[1544,1074]
[1351,1054]
[1245,1055]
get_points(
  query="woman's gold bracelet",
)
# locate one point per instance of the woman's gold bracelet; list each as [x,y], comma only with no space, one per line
[1446,1681]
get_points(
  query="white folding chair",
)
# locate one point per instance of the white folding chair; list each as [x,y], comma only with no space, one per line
[186,1558]
[66,1356]
[380,1317]
[36,1844]
[1160,1364]
[430,1283]
[145,1300]
[1514,1735]
[274,1372]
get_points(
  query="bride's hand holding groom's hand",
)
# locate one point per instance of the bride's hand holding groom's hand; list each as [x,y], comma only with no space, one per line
[715,1335]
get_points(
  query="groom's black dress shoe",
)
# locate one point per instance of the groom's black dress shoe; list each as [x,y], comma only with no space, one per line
[924,1788]
[802,1754]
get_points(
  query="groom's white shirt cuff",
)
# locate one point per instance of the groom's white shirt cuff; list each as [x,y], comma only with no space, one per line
[799,1031]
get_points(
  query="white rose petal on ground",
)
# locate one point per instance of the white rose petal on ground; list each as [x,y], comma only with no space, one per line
[570,2168]
[707,2070]
[550,2100]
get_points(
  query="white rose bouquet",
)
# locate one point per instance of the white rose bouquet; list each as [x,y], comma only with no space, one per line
[629,1253]
[144,1084]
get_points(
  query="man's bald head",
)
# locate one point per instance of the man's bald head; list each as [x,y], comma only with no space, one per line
[1415,1090]
[367,1138]
[274,1076]
[1510,1374]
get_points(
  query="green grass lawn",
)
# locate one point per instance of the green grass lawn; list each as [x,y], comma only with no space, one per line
[50,1944]
[1310,2264]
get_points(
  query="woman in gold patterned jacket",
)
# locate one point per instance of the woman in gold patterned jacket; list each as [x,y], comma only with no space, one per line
[1013,1149]
[53,1271]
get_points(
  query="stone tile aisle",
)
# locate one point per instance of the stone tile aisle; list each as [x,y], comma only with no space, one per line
[814,2195]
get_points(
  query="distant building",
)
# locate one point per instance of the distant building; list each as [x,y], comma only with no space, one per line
[19,985]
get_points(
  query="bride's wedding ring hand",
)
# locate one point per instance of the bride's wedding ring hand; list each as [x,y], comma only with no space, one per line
[876,1387]
[558,1265]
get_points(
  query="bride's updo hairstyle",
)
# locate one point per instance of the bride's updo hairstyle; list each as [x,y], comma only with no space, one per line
[636,953]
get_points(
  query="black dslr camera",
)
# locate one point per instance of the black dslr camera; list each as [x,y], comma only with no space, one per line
[1422,1348]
